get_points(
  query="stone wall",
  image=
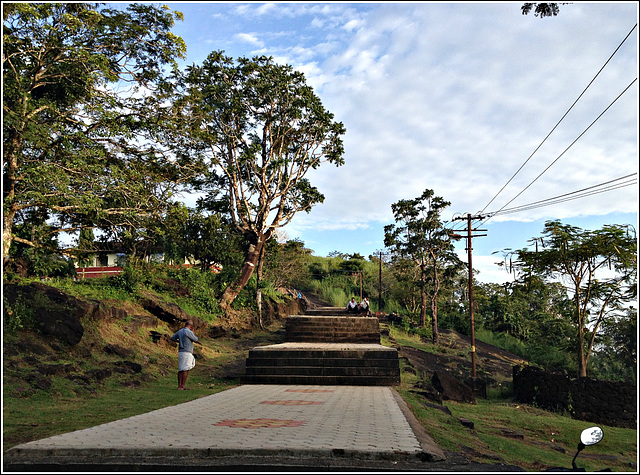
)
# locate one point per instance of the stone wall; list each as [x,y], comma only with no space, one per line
[611,403]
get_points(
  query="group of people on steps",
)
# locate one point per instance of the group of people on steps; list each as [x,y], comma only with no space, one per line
[358,308]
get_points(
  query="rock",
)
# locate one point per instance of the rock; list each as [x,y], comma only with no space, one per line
[99,374]
[55,313]
[410,370]
[451,388]
[117,350]
[439,407]
[512,434]
[427,390]
[217,331]
[128,367]
[56,369]
[38,381]
[169,312]
[466,422]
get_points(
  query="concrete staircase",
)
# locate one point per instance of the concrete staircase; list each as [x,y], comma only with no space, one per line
[332,329]
[326,347]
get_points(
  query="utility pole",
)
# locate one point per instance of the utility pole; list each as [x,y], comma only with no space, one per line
[380,283]
[469,249]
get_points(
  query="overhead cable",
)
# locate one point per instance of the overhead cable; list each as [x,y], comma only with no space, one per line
[621,182]
[570,145]
[583,193]
[561,119]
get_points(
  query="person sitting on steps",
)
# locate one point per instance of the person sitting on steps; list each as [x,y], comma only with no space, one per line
[352,306]
[364,307]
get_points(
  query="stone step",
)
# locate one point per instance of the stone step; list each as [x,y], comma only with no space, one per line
[323,363]
[322,380]
[324,351]
[330,311]
[300,328]
[331,337]
[342,371]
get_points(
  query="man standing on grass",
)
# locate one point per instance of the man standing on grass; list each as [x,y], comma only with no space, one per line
[186,361]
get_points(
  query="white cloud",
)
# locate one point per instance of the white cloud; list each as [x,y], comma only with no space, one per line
[455,97]
[249,38]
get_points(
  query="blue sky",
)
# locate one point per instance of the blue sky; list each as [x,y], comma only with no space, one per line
[453,97]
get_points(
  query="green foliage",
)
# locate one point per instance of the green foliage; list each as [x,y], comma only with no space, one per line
[541,10]
[16,317]
[260,128]
[134,274]
[65,138]
[546,356]
[419,238]
[578,257]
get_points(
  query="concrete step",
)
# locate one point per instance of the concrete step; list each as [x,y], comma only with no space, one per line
[324,351]
[338,371]
[323,363]
[331,337]
[302,379]
[326,311]
[301,328]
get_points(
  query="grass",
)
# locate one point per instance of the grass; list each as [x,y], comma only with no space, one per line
[514,434]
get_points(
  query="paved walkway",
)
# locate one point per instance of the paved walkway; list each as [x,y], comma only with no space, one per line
[246,428]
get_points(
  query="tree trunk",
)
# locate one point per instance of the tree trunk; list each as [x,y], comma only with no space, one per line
[249,265]
[582,361]
[259,287]
[7,238]
[434,307]
[423,307]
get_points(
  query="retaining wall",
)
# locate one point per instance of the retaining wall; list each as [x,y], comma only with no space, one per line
[611,403]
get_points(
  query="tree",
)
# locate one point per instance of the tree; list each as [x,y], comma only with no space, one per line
[287,265]
[541,9]
[617,348]
[419,235]
[580,258]
[77,144]
[261,128]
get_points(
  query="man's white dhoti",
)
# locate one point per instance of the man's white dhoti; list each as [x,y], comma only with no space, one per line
[186,361]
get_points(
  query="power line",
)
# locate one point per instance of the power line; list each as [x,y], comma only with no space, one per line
[570,145]
[610,185]
[561,119]
[574,195]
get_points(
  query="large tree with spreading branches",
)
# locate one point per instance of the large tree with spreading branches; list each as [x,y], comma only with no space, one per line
[419,236]
[261,129]
[599,268]
[84,121]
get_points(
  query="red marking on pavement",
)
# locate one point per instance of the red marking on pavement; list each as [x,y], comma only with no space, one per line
[293,402]
[259,423]
[309,390]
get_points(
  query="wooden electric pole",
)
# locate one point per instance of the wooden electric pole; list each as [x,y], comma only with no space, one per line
[469,249]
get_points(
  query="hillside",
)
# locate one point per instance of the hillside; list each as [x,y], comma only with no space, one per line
[124,364]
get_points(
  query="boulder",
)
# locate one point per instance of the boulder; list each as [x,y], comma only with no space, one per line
[452,389]
[55,313]
[169,312]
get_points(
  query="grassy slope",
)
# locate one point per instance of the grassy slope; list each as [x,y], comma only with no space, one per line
[73,403]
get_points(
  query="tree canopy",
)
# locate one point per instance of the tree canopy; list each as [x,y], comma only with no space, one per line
[600,268]
[420,237]
[81,117]
[260,128]
[541,10]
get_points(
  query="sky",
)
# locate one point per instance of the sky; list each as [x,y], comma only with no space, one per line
[491,109]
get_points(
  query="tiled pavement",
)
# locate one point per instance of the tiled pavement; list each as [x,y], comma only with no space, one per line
[246,428]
